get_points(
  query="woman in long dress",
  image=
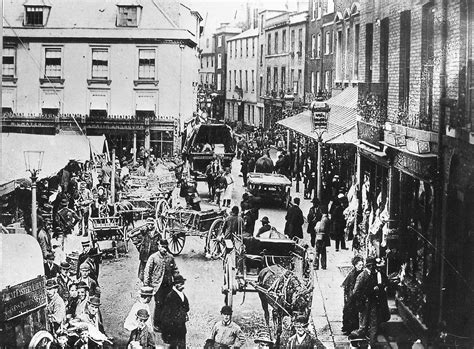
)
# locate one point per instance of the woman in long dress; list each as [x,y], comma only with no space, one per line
[350,314]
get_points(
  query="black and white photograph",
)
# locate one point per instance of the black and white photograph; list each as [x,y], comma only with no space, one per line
[226,174]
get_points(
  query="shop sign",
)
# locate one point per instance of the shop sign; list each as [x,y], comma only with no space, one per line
[22,298]
[423,168]
[369,133]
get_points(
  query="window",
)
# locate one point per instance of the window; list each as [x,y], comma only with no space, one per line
[261,55]
[219,41]
[384,39]
[327,80]
[235,78]
[207,61]
[427,56]
[404,69]
[369,41]
[202,64]
[347,54]
[300,42]
[269,80]
[219,61]
[292,77]
[312,82]
[261,24]
[292,41]
[230,80]
[246,81]
[283,79]
[253,80]
[313,46]
[313,10]
[241,46]
[300,79]
[283,41]
[253,47]
[328,42]
[339,56]
[8,62]
[229,49]
[212,61]
[219,81]
[100,63]
[275,79]
[34,15]
[207,42]
[356,52]
[276,42]
[269,44]
[319,9]
[261,85]
[240,79]
[127,16]
[146,64]
[53,63]
[246,47]
[318,81]
[318,46]
[235,48]
[330,5]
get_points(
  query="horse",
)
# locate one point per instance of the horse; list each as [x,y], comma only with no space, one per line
[287,290]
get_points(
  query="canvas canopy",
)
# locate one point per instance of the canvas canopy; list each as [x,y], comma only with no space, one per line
[58,150]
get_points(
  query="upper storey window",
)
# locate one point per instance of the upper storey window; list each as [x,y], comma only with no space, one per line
[36,15]
[128,16]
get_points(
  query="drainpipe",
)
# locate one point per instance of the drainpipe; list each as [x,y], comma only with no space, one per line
[441,196]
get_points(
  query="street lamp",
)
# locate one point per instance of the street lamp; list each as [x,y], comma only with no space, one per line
[319,118]
[33,163]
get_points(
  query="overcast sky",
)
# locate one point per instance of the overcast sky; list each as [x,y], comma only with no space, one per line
[225,10]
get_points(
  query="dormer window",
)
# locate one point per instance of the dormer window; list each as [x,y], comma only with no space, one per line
[128,16]
[36,15]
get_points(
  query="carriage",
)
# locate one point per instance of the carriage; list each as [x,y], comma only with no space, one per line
[275,267]
[110,233]
[270,186]
[176,224]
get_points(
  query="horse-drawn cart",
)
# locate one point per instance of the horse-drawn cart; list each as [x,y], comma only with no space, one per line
[110,234]
[176,224]
[276,268]
[269,186]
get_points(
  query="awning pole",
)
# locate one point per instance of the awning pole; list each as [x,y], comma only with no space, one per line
[112,180]
[319,185]
[134,148]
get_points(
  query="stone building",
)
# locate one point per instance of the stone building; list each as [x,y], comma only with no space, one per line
[241,94]
[221,35]
[415,155]
[103,66]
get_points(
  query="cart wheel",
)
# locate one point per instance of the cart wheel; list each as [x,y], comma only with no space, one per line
[215,245]
[228,282]
[161,210]
[176,243]
[286,200]
[41,339]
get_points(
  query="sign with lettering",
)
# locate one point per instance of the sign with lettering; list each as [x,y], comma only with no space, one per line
[423,168]
[22,298]
[369,133]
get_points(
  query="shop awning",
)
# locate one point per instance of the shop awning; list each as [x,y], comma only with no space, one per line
[58,150]
[341,123]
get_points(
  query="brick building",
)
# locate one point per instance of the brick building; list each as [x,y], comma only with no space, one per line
[415,155]
[222,34]
[102,66]
[241,94]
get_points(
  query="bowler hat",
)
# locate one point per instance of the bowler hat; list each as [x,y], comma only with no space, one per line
[301,319]
[50,256]
[226,310]
[263,336]
[94,301]
[65,265]
[146,291]
[51,283]
[265,220]
[179,279]
[370,261]
[82,284]
[163,242]
[143,314]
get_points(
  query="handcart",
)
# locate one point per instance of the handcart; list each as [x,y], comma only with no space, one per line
[110,234]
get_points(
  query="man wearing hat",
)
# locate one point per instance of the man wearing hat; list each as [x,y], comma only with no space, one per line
[55,309]
[91,256]
[175,314]
[233,224]
[314,216]
[160,270]
[82,299]
[85,200]
[150,238]
[92,315]
[265,226]
[51,269]
[141,336]
[226,332]
[263,340]
[302,339]
[338,222]
[44,236]
[250,212]
[64,280]
[294,220]
[370,296]
[84,276]
[146,293]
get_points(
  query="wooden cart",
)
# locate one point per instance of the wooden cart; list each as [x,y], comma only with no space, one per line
[110,234]
[270,186]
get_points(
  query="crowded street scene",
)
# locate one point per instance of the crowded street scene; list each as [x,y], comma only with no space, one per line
[237,174]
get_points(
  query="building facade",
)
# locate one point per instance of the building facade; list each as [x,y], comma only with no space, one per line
[102,67]
[416,152]
[222,34]
[241,94]
[283,64]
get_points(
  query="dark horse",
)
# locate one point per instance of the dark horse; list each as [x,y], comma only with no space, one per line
[283,287]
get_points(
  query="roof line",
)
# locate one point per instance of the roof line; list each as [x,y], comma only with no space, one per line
[173,23]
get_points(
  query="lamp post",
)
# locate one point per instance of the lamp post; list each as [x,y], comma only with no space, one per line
[33,163]
[319,117]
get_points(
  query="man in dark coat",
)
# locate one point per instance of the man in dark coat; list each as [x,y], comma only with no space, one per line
[338,222]
[233,225]
[51,269]
[175,315]
[264,164]
[142,335]
[294,220]
[90,256]
[314,216]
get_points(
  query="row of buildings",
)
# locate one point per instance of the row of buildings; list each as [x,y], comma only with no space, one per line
[127,69]
[398,76]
